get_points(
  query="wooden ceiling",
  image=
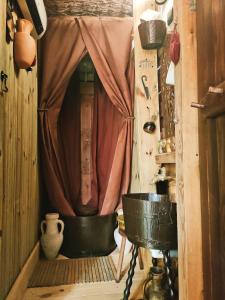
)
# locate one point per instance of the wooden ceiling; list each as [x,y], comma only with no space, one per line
[114,8]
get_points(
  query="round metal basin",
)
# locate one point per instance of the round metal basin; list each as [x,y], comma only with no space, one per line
[150,221]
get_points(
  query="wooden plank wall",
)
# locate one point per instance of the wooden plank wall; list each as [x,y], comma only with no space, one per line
[113,8]
[144,145]
[2,67]
[211,72]
[19,191]
[187,158]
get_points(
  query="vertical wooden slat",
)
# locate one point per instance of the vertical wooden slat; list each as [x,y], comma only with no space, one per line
[211,65]
[187,159]
[2,102]
[144,145]
[19,194]
[221,198]
[86,115]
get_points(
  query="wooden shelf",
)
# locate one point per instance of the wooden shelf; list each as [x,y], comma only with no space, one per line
[166,158]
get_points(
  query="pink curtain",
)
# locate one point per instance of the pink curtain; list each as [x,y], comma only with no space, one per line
[108,125]
[62,50]
[108,41]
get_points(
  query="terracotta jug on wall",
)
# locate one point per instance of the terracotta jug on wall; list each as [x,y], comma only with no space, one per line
[52,238]
[24,45]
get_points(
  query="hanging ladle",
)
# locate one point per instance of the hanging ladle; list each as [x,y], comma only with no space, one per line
[150,126]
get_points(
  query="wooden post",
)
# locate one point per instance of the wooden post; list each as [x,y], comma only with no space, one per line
[144,144]
[187,159]
[2,99]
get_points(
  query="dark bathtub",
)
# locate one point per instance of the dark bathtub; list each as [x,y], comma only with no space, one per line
[88,236]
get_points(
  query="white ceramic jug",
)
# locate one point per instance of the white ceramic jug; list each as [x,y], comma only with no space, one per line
[52,238]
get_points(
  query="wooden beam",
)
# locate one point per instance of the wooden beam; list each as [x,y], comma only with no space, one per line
[187,159]
[19,287]
[2,100]
[144,145]
[211,66]
[113,8]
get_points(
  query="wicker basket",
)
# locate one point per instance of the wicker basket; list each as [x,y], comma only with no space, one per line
[152,34]
[150,221]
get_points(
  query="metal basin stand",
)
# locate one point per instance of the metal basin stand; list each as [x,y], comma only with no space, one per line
[150,222]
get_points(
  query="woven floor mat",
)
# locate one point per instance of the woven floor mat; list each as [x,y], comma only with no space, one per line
[70,271]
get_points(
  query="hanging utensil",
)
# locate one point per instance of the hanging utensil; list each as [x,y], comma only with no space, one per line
[170,17]
[160,2]
[3,78]
[146,89]
[149,127]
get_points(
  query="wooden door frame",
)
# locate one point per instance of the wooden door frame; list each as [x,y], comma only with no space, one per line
[187,158]
[2,99]
[213,289]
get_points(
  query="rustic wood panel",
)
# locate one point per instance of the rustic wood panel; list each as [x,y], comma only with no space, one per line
[86,115]
[212,164]
[114,8]
[2,101]
[221,202]
[211,66]
[20,197]
[144,144]
[166,96]
[187,159]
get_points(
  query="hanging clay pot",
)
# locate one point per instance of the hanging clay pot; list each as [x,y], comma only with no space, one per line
[24,45]
[52,238]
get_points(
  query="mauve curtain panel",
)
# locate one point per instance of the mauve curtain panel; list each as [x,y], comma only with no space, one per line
[62,50]
[108,42]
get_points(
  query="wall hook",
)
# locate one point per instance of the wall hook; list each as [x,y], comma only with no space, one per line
[215,90]
[144,79]
[197,105]
[4,78]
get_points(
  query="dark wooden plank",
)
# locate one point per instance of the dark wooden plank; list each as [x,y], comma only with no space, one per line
[220,123]
[166,96]
[211,64]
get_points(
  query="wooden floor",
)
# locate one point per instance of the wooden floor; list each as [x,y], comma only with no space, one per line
[93,291]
